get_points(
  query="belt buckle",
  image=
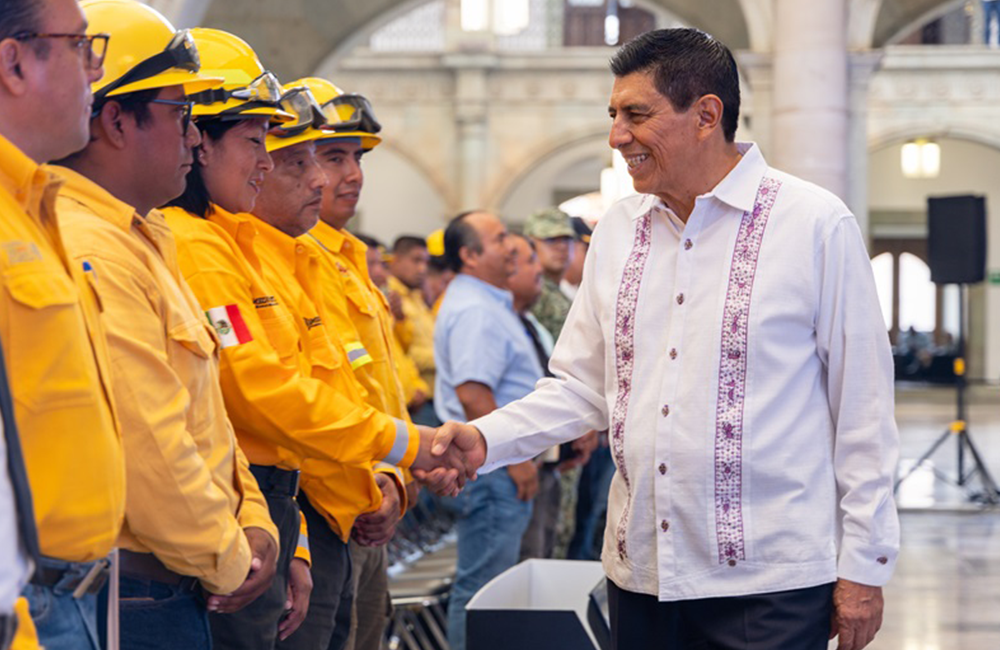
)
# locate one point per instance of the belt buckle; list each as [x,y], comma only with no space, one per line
[97,572]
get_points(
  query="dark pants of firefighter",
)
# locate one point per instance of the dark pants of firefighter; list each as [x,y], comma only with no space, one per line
[255,627]
[328,621]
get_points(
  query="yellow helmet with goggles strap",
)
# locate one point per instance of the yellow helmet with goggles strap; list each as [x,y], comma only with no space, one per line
[307,124]
[348,115]
[248,90]
[145,52]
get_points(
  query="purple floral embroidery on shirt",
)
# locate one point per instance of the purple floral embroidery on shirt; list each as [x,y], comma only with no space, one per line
[628,298]
[733,375]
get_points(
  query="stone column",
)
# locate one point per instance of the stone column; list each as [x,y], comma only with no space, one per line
[862,66]
[810,111]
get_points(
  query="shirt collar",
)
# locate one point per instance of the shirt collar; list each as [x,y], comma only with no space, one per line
[331,238]
[100,201]
[738,189]
[499,295]
[288,247]
[22,177]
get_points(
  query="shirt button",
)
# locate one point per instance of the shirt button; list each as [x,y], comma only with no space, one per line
[688,245]
[680,299]
[299,248]
[665,525]
[732,562]
[665,410]
[663,468]
[883,560]
[673,353]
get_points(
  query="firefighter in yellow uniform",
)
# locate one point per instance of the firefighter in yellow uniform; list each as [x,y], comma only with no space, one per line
[288,388]
[49,325]
[360,314]
[194,514]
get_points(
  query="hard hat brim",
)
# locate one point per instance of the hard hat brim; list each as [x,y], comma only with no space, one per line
[191,81]
[274,142]
[220,109]
[368,140]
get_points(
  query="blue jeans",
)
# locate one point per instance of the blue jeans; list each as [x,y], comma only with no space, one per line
[64,622]
[155,616]
[592,505]
[489,542]
[991,11]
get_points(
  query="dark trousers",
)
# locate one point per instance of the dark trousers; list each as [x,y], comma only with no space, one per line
[789,620]
[328,622]
[156,616]
[255,627]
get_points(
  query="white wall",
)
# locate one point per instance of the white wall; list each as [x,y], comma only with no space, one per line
[397,199]
[966,168]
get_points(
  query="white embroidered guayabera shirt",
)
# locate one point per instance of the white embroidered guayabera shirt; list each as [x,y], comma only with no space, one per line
[742,367]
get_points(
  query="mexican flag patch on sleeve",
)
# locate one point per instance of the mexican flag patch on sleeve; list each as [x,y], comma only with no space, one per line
[228,324]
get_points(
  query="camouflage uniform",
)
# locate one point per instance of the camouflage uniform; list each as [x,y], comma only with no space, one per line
[552,307]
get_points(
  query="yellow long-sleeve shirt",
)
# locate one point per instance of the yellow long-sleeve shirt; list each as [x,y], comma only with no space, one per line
[190,490]
[281,413]
[340,491]
[289,390]
[57,363]
[359,313]
[416,333]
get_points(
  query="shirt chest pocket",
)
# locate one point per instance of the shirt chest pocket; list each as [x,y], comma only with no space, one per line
[358,298]
[322,350]
[192,357]
[50,360]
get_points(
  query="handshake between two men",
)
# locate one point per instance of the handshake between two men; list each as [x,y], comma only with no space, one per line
[449,457]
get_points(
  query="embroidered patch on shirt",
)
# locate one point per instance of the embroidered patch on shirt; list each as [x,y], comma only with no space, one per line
[313,322]
[20,252]
[265,301]
[229,325]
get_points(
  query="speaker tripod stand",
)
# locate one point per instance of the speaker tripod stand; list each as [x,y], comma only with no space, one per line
[990,494]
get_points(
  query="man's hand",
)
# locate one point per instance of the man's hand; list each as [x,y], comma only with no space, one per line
[396,305]
[445,469]
[300,586]
[584,447]
[525,477]
[264,562]
[376,528]
[857,614]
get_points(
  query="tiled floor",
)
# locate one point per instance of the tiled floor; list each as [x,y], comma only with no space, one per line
[946,591]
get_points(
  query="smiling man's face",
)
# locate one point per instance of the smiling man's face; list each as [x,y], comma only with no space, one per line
[340,158]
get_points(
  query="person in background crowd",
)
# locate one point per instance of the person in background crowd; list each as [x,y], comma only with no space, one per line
[194,514]
[438,272]
[525,286]
[570,282]
[415,389]
[415,330]
[787,542]
[50,331]
[553,235]
[359,313]
[485,360]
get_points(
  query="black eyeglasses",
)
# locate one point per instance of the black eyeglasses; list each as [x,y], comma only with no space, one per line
[93,46]
[187,105]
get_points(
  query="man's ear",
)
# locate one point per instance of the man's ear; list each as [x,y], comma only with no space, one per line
[11,69]
[111,124]
[468,256]
[708,110]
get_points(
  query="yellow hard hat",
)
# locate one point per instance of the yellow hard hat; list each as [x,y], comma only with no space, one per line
[308,119]
[435,243]
[348,115]
[145,52]
[248,89]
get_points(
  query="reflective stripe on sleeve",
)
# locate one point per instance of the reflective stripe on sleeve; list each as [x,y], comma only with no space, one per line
[398,451]
[304,543]
[357,355]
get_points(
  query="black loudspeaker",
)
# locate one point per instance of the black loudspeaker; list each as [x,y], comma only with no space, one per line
[956,239]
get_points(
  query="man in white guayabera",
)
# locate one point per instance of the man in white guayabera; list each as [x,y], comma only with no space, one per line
[728,335]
